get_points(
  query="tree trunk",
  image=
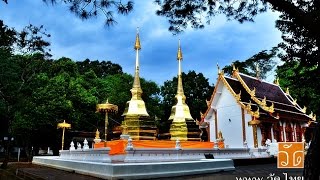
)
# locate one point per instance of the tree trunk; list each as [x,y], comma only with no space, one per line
[312,160]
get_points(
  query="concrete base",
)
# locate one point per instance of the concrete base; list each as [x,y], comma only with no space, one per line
[137,170]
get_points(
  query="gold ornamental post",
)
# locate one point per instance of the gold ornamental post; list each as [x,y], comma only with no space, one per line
[106,108]
[63,125]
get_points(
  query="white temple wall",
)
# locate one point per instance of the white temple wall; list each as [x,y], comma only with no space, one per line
[249,131]
[212,129]
[229,119]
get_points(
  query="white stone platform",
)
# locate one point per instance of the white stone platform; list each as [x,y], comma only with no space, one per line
[136,170]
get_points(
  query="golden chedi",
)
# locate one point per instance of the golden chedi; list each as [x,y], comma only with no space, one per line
[137,123]
[183,126]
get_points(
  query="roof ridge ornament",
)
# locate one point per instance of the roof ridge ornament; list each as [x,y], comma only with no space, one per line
[264,101]
[287,91]
[253,92]
[276,81]
[304,110]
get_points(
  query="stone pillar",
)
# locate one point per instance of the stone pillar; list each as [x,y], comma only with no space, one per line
[284,132]
[272,136]
[294,132]
[254,123]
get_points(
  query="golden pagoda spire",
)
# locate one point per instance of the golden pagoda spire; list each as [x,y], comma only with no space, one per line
[180,86]
[136,82]
[180,113]
[136,105]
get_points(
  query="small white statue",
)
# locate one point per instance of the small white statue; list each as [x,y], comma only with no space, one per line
[129,144]
[215,145]
[79,146]
[178,145]
[268,142]
[85,144]
[72,148]
[245,144]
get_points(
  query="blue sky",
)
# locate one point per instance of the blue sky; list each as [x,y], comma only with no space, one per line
[221,42]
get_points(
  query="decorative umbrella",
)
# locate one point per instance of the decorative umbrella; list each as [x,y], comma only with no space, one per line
[63,125]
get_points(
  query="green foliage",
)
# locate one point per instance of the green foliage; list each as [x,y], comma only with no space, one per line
[100,68]
[264,61]
[30,40]
[181,13]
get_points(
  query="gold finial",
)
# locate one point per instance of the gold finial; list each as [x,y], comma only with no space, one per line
[294,102]
[179,55]
[220,72]
[238,96]
[137,45]
[220,136]
[249,106]
[264,101]
[253,92]
[97,134]
[208,103]
[271,108]
[276,81]
[311,115]
[304,110]
[287,91]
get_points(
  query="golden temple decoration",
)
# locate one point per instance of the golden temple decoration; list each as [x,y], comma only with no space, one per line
[64,126]
[220,72]
[180,113]
[304,110]
[264,101]
[253,92]
[294,102]
[254,123]
[276,81]
[238,96]
[136,105]
[137,124]
[311,115]
[106,108]
[208,103]
[314,117]
[179,54]
[262,104]
[220,136]
[137,45]
[97,134]
[248,107]
[287,91]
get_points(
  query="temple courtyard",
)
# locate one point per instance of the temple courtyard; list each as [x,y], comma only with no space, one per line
[244,169]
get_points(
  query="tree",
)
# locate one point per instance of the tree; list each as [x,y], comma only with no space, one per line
[100,68]
[264,61]
[196,89]
[31,39]
[181,13]
[300,43]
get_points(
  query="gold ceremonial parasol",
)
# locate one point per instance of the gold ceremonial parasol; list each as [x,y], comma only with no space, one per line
[106,108]
[63,125]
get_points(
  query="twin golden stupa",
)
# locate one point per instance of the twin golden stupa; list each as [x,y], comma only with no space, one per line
[137,123]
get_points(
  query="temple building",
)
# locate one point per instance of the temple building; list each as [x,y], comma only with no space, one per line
[248,111]
[183,126]
[137,123]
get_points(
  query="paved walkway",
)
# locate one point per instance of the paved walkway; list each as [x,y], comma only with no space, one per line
[242,172]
